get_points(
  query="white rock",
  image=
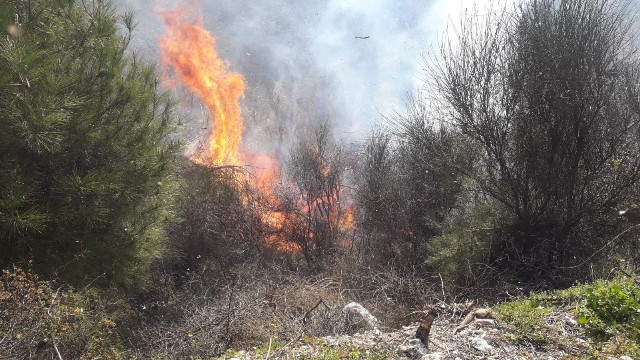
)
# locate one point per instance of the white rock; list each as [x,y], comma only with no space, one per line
[433,356]
[480,344]
[415,349]
[485,323]
[570,321]
[359,318]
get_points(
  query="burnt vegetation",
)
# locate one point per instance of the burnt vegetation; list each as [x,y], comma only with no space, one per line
[516,163]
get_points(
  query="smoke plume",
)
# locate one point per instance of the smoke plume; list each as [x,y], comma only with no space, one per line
[342,61]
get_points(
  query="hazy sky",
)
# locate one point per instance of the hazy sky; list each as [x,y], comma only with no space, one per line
[309,52]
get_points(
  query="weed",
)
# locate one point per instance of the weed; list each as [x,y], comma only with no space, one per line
[525,319]
[610,309]
[327,352]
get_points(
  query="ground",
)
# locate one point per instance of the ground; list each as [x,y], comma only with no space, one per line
[482,339]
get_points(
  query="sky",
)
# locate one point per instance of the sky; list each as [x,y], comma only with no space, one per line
[351,62]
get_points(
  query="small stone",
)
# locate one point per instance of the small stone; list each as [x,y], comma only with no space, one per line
[485,323]
[415,343]
[433,356]
[570,321]
[414,348]
[480,344]
[487,339]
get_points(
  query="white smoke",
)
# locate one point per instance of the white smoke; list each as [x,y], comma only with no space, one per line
[348,61]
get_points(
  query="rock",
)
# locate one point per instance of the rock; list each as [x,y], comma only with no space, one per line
[415,349]
[485,323]
[487,339]
[480,344]
[433,356]
[358,318]
[570,321]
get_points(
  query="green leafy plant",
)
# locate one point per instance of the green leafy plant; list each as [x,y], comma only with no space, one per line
[525,320]
[611,308]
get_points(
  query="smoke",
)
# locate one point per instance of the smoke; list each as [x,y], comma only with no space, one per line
[343,61]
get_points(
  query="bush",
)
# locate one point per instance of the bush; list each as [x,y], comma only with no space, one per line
[408,184]
[525,319]
[220,225]
[39,322]
[610,309]
[313,202]
[462,254]
[547,91]
[87,172]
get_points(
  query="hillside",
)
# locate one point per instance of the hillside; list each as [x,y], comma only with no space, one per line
[557,325]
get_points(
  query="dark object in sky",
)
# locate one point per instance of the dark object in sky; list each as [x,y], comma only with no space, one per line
[362,37]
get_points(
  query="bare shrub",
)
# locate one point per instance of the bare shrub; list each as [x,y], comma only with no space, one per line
[409,182]
[252,304]
[313,206]
[220,222]
[38,322]
[549,92]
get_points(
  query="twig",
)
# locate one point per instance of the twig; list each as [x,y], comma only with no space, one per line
[232,167]
[602,248]
[444,297]
[304,318]
[291,342]
[55,347]
[229,308]
[268,350]
[414,313]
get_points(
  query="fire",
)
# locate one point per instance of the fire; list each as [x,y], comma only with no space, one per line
[190,50]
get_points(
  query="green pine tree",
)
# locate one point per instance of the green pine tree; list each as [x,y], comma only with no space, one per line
[86,150]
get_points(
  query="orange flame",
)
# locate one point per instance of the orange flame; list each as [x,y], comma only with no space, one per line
[190,50]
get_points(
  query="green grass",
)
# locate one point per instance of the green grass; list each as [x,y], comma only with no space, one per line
[607,310]
[525,320]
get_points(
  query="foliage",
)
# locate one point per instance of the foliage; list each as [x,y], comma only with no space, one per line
[462,252]
[85,148]
[220,222]
[607,309]
[408,184]
[325,351]
[611,308]
[548,91]
[267,348]
[525,319]
[37,321]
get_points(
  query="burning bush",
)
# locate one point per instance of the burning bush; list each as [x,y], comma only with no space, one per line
[316,202]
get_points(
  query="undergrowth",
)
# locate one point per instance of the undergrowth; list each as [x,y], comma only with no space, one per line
[525,319]
[607,310]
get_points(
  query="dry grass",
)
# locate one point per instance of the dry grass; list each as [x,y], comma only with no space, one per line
[252,304]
